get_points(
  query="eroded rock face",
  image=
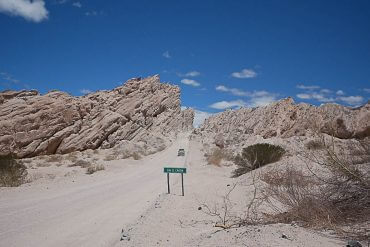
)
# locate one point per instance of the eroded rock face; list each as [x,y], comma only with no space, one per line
[286,119]
[140,110]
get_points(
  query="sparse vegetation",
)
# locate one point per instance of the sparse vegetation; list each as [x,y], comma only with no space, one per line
[217,155]
[81,163]
[136,156]
[314,145]
[110,157]
[12,172]
[54,158]
[336,196]
[255,156]
[94,168]
[72,157]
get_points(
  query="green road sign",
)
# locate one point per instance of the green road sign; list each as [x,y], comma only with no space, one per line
[174,170]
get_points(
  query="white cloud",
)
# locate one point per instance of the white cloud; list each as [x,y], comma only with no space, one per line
[166,54]
[234,91]
[304,96]
[325,91]
[91,13]
[367,90]
[352,100]
[192,74]
[190,82]
[199,117]
[257,98]
[221,105]
[301,86]
[340,92]
[245,73]
[316,96]
[85,91]
[77,4]
[30,10]
[261,101]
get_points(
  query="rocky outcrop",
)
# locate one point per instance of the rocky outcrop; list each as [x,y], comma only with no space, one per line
[286,119]
[140,110]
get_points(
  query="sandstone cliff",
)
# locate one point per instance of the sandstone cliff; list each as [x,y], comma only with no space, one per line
[140,110]
[284,119]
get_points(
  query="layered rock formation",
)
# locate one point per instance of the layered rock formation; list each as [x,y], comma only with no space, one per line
[140,110]
[286,119]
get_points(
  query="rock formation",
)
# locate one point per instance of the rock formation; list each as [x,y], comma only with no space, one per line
[284,119]
[140,110]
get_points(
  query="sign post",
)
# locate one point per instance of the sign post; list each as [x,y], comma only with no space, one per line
[169,170]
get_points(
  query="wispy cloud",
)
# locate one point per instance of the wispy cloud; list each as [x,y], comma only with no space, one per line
[221,105]
[316,96]
[166,54]
[234,91]
[30,10]
[367,90]
[189,74]
[92,13]
[245,73]
[256,98]
[190,82]
[77,4]
[11,81]
[301,86]
[352,100]
[85,91]
[340,92]
[327,95]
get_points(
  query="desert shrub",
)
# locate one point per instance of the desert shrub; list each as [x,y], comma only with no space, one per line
[94,168]
[54,158]
[294,197]
[255,156]
[314,145]
[136,156]
[217,155]
[110,157]
[335,196]
[72,157]
[12,172]
[81,163]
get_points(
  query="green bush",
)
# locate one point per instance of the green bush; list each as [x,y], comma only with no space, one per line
[12,172]
[255,156]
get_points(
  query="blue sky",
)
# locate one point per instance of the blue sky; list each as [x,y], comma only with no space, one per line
[223,54]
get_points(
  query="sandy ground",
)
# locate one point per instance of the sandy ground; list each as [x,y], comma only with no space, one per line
[131,196]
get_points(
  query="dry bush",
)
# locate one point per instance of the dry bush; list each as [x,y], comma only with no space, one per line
[54,158]
[136,156]
[314,145]
[110,157]
[81,163]
[336,195]
[295,196]
[12,172]
[226,216]
[255,156]
[72,157]
[43,164]
[94,168]
[217,155]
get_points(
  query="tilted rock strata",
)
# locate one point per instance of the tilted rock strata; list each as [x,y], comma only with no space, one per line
[286,119]
[140,110]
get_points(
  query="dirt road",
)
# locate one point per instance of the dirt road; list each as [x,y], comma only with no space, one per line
[87,212]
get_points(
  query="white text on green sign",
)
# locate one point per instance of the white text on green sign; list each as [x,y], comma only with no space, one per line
[174,170]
